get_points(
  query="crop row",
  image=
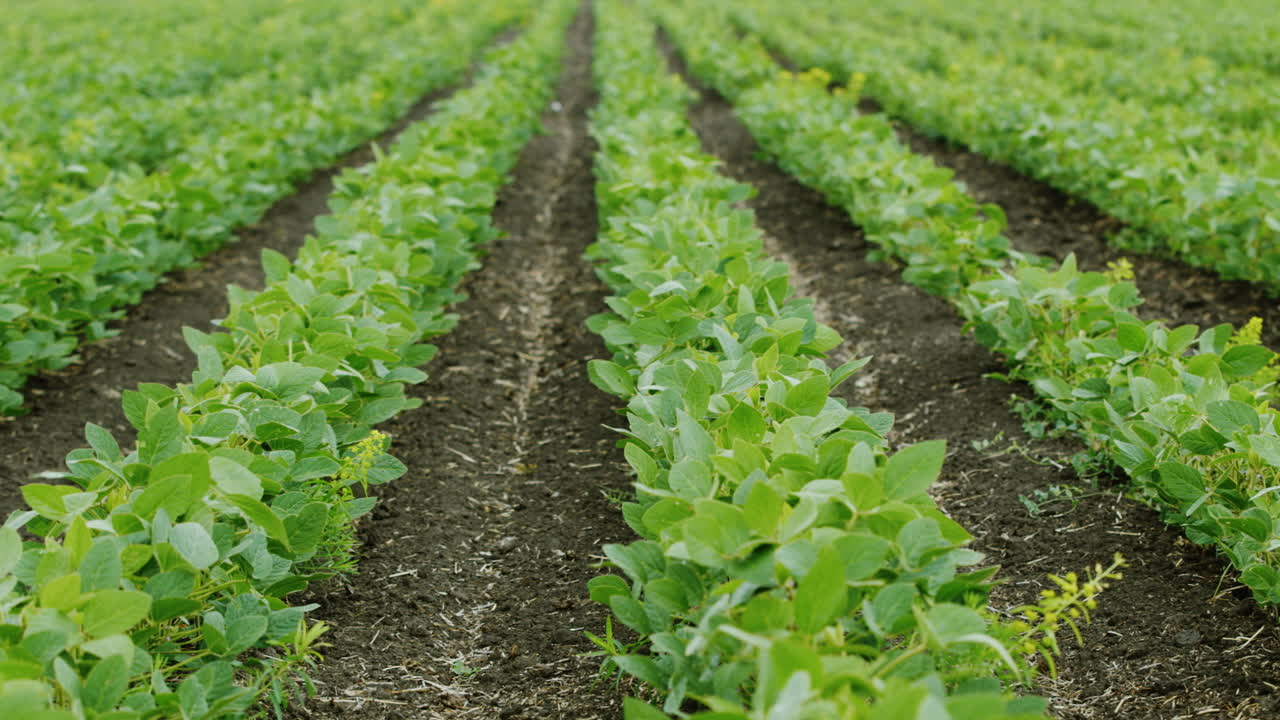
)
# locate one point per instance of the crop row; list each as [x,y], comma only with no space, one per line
[1206,192]
[789,565]
[1241,38]
[56,67]
[158,585]
[75,267]
[56,151]
[1225,94]
[1186,413]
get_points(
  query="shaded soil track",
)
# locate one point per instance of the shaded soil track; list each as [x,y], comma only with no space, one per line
[471,598]
[1171,640]
[149,346]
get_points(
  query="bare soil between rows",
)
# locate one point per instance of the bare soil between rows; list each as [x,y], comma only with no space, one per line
[1173,639]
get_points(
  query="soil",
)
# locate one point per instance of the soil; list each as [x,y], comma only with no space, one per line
[471,599]
[1174,638]
[149,345]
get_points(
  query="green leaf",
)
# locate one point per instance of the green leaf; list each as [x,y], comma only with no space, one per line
[642,462]
[112,612]
[823,594]
[1267,447]
[161,437]
[1229,416]
[631,613]
[1132,336]
[193,543]
[276,266]
[889,608]
[809,397]
[690,479]
[746,423]
[306,528]
[1245,360]
[1202,441]
[263,516]
[102,441]
[174,494]
[642,668]
[692,440]
[633,709]
[380,410]
[106,684]
[948,623]
[216,427]
[611,378]
[10,550]
[233,478]
[47,499]
[913,469]
[101,568]
[243,632]
[1181,482]
[603,587]
[845,371]
[764,509]
[61,593]
[170,584]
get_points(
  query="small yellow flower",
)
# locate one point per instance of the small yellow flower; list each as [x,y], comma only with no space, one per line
[1119,270]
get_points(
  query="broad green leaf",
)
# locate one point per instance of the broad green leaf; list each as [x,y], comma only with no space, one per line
[641,667]
[633,709]
[106,684]
[47,499]
[63,593]
[112,612]
[692,440]
[1267,447]
[1245,360]
[1228,416]
[822,594]
[233,478]
[690,479]
[603,587]
[174,494]
[264,516]
[380,410]
[913,469]
[193,543]
[275,265]
[101,568]
[10,550]
[889,608]
[611,378]
[306,528]
[102,441]
[162,435]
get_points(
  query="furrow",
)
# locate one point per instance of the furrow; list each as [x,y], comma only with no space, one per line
[472,599]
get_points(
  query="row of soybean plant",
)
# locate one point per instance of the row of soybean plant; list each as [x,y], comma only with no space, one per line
[789,565]
[1192,185]
[158,584]
[73,253]
[1187,413]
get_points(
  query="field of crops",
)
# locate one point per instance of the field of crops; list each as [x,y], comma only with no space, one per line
[730,359]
